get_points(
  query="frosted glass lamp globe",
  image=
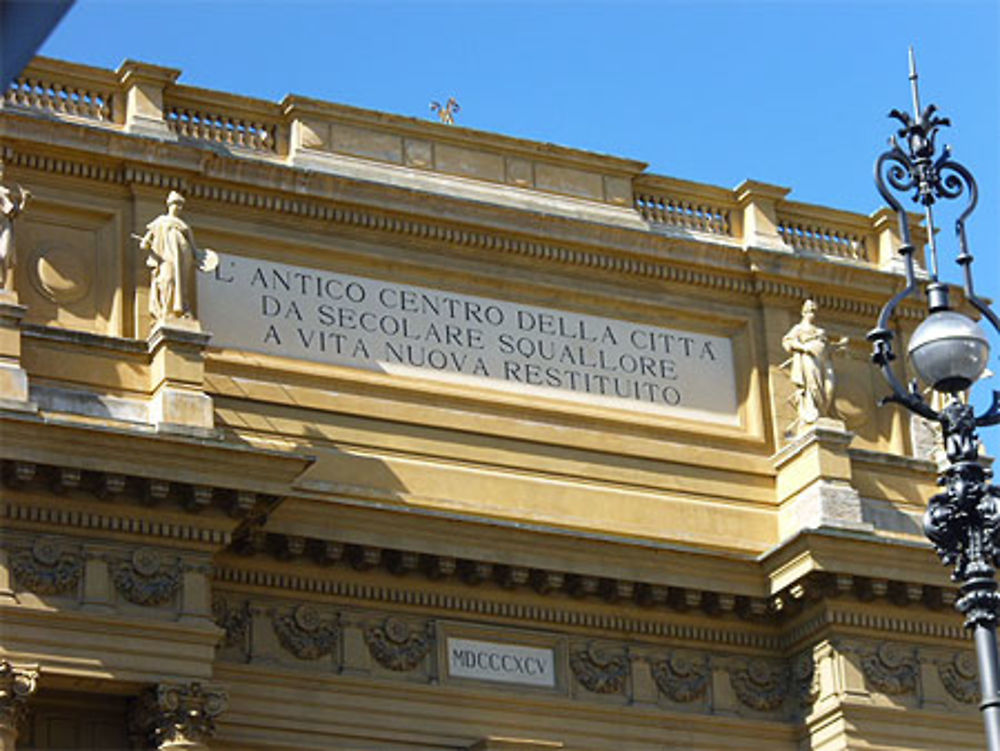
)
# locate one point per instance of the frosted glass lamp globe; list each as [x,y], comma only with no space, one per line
[949,351]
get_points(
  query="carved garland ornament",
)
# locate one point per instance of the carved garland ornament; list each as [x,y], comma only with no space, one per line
[760,684]
[682,677]
[146,578]
[959,678]
[806,679]
[395,646]
[46,569]
[17,685]
[891,669]
[176,714]
[305,634]
[235,621]
[598,672]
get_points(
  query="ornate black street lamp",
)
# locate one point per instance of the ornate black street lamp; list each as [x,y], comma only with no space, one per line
[949,352]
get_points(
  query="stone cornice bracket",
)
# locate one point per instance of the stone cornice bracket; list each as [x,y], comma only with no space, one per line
[176,715]
[759,202]
[17,685]
[177,379]
[13,378]
[144,85]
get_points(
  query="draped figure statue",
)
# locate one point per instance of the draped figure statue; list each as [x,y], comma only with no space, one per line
[810,368]
[173,258]
[12,202]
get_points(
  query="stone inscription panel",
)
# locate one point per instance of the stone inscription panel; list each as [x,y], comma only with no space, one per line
[298,312]
[503,663]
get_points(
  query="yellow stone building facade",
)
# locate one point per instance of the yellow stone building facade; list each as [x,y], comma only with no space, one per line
[462,442]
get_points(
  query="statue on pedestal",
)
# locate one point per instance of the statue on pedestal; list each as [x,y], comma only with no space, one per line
[173,258]
[810,369]
[12,203]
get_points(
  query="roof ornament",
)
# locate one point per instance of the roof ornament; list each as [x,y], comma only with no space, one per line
[446,112]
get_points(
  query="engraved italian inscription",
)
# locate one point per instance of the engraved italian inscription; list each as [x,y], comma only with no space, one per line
[303,313]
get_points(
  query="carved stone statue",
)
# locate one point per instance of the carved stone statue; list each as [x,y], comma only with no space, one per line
[12,203]
[810,369]
[173,257]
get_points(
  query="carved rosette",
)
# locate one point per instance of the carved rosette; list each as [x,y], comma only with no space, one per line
[17,686]
[805,678]
[146,578]
[891,669]
[176,713]
[234,620]
[305,633]
[760,684]
[47,569]
[959,677]
[395,646]
[682,677]
[599,672]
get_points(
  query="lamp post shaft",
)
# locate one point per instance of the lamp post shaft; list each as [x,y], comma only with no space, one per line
[989,683]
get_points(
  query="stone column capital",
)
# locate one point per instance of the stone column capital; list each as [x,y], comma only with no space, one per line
[18,684]
[177,715]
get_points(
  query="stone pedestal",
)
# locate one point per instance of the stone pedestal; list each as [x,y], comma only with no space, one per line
[814,481]
[13,378]
[178,399]
[759,202]
[144,86]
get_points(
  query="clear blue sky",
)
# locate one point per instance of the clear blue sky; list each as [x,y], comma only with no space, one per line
[793,93]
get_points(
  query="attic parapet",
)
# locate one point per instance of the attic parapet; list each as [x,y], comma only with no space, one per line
[145,100]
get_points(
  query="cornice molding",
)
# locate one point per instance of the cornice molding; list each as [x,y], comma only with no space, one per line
[636,249]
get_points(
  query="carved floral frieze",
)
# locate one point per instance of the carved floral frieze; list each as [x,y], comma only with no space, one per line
[176,715]
[760,684]
[959,677]
[147,577]
[598,671]
[394,645]
[683,676]
[47,568]
[891,669]
[305,633]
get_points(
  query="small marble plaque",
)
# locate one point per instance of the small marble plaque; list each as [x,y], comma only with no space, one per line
[503,663]
[407,330]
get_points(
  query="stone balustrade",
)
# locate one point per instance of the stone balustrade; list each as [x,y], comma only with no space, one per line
[145,100]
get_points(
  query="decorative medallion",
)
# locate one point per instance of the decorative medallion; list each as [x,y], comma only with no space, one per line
[959,677]
[146,578]
[59,274]
[176,715]
[305,634]
[760,684]
[600,673]
[47,569]
[235,621]
[891,669]
[683,676]
[395,646]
